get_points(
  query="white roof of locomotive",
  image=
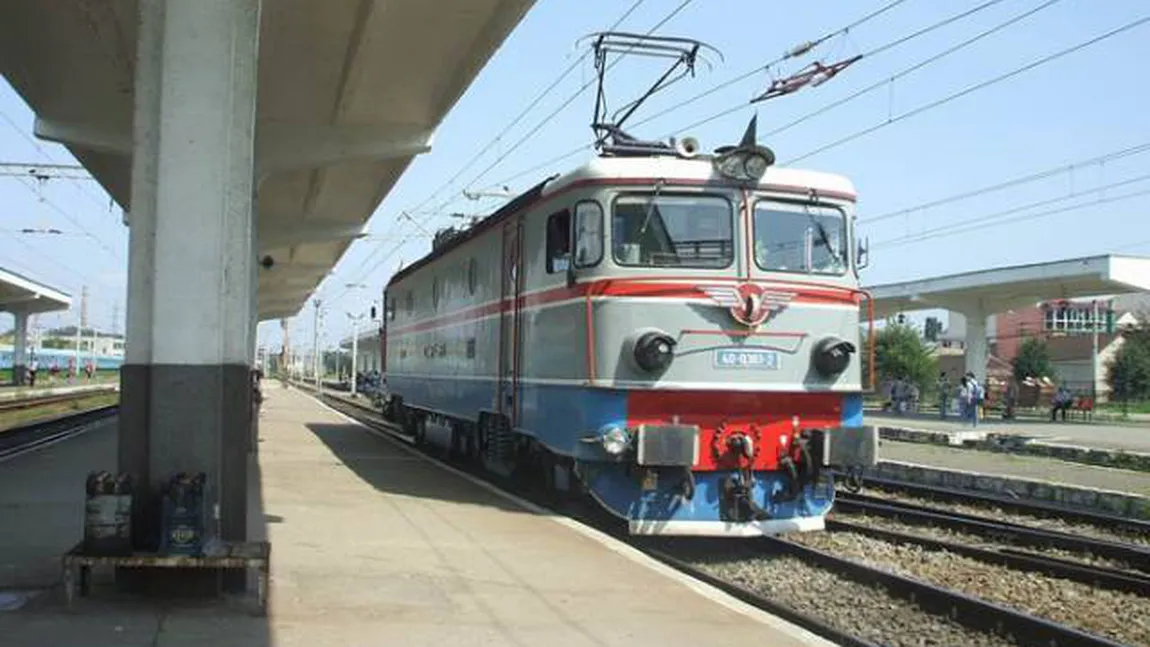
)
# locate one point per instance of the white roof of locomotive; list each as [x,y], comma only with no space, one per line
[695,170]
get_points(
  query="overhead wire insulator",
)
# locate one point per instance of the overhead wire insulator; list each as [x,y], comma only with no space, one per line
[801,49]
[813,75]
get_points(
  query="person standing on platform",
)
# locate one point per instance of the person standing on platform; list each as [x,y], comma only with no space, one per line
[32,367]
[976,395]
[943,394]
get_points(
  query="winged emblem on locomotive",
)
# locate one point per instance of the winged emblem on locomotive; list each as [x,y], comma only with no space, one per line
[749,303]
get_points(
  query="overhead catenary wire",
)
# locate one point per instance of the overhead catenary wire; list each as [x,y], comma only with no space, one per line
[913,68]
[523,113]
[679,8]
[70,218]
[996,218]
[866,55]
[583,88]
[971,89]
[794,52]
[741,106]
[44,153]
[1026,179]
[1033,216]
[499,137]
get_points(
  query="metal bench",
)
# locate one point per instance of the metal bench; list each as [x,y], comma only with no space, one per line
[77,565]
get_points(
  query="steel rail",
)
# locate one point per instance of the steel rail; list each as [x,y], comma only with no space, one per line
[1090,574]
[1003,531]
[968,611]
[1037,508]
[808,622]
[19,440]
[15,404]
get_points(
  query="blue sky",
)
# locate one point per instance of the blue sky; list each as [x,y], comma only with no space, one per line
[1086,104]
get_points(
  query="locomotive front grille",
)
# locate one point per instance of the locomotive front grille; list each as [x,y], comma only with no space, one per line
[668,445]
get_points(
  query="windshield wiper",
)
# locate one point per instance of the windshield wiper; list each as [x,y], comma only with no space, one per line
[824,237]
[652,206]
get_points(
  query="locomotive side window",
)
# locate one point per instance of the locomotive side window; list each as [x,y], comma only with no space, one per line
[588,234]
[408,302]
[800,238]
[673,231]
[472,276]
[558,241]
[434,292]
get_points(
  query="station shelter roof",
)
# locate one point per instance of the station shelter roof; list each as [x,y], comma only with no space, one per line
[349,93]
[999,289]
[20,293]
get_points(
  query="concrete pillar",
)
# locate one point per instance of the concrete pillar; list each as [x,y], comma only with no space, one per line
[186,399]
[19,347]
[977,348]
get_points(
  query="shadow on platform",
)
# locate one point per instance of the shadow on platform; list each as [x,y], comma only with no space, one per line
[41,516]
[388,467]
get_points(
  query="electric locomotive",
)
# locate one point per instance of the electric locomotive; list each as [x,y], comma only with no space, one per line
[675,335]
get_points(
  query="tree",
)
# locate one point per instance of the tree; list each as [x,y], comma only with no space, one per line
[1033,360]
[1128,372]
[899,352]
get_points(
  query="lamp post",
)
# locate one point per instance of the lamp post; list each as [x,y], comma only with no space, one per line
[317,362]
[354,350]
[354,340]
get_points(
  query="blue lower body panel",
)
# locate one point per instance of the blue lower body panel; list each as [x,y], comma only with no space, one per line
[562,417]
[664,510]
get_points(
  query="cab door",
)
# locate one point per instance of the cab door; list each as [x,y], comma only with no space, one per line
[511,287]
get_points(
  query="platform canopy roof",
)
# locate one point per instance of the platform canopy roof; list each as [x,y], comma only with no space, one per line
[368,337]
[349,92]
[1000,289]
[22,294]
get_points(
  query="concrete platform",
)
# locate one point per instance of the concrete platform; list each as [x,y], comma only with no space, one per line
[375,545]
[1125,447]
[1131,438]
[10,393]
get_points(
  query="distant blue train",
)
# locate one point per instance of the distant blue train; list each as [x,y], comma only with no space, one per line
[61,357]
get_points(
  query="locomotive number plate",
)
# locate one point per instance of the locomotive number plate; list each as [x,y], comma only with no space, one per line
[755,358]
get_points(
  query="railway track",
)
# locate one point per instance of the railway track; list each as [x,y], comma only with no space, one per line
[917,609]
[1038,509]
[1000,531]
[1096,575]
[17,404]
[20,440]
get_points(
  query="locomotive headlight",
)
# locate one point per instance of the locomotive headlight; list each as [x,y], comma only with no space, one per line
[654,351]
[755,166]
[615,440]
[832,355]
[745,163]
[731,167]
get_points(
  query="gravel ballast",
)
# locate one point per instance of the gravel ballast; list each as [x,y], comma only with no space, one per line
[1116,615]
[996,513]
[859,609]
[971,539]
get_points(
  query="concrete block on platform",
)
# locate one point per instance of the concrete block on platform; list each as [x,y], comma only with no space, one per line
[1121,504]
[1118,458]
[1021,444]
[956,438]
